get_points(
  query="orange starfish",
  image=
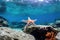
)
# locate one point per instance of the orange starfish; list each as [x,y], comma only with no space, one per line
[29,21]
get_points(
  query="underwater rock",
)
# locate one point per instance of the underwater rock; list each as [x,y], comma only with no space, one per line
[58,36]
[56,25]
[40,32]
[5,38]
[3,22]
[29,29]
[9,34]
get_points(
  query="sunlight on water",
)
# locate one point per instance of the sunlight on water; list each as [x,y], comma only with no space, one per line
[18,30]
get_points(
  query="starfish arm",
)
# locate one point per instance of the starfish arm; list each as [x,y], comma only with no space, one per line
[29,18]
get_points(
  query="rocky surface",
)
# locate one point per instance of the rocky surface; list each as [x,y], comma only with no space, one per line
[58,36]
[9,34]
[40,32]
[30,28]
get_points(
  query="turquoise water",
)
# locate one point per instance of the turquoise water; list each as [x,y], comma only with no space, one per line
[44,12]
[17,29]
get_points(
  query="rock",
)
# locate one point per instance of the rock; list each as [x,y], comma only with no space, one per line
[58,36]
[30,28]
[9,34]
[3,22]
[56,25]
[5,38]
[40,31]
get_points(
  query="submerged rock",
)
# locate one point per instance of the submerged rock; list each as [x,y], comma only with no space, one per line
[9,34]
[56,25]
[3,22]
[5,38]
[40,32]
[58,36]
[29,29]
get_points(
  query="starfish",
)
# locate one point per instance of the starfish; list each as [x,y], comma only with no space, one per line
[29,21]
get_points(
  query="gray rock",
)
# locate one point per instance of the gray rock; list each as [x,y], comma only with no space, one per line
[30,28]
[5,38]
[58,36]
[9,34]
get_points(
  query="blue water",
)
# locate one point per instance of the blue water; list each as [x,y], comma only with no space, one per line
[44,13]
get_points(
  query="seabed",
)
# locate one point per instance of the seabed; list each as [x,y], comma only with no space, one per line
[14,26]
[30,31]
